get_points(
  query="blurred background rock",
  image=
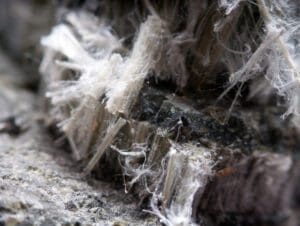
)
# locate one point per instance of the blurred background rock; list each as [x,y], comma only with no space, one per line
[22,23]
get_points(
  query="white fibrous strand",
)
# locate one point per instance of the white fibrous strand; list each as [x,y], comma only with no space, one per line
[146,51]
[112,131]
[276,56]
[132,168]
[187,172]
[91,59]
[229,5]
[283,69]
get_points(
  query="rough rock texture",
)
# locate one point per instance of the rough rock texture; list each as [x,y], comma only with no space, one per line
[260,189]
[41,186]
